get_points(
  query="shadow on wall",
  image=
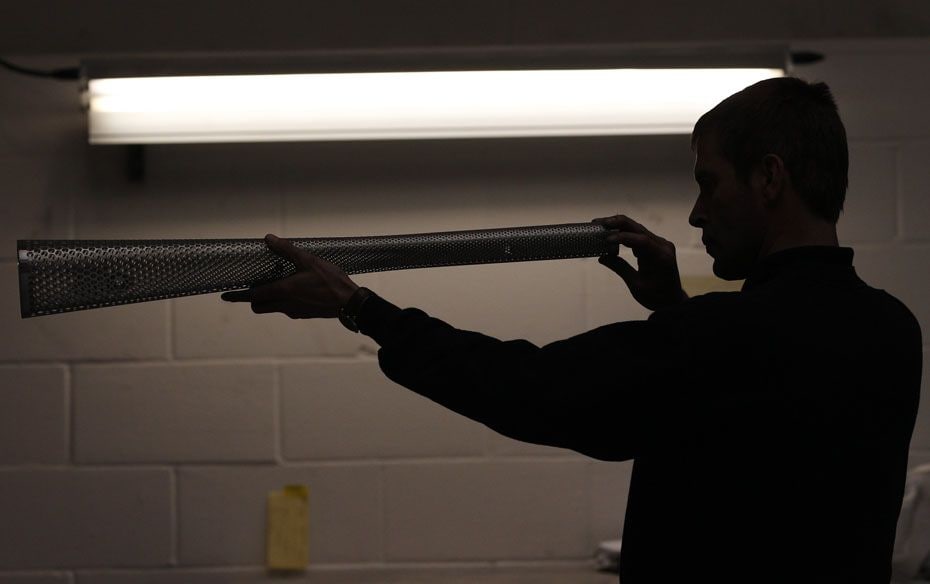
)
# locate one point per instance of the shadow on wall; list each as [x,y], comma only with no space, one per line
[407,160]
[381,187]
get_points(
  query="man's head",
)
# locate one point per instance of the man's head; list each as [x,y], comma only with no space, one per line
[772,164]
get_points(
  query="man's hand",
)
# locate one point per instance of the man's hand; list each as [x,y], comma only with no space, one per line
[657,283]
[317,290]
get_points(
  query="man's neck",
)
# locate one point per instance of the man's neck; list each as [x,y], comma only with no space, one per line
[813,233]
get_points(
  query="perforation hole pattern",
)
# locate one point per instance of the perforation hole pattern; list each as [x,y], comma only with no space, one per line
[66,275]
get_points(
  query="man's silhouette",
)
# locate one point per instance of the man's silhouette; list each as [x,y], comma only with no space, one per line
[769,427]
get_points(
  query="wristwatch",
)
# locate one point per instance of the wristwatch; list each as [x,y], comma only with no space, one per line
[348,314]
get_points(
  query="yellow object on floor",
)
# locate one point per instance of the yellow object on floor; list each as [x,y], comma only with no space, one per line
[288,545]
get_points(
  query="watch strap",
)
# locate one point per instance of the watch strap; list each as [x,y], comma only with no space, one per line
[348,314]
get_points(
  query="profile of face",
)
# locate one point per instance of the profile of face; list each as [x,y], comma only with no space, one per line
[730,213]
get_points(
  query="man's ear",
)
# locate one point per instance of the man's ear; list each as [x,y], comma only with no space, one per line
[773,178]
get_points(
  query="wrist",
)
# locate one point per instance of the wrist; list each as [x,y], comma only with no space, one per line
[346,295]
[350,310]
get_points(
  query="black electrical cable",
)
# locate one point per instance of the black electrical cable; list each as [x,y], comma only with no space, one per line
[65,74]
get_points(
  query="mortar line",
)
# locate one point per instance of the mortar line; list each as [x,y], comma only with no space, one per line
[899,214]
[388,566]
[276,405]
[69,411]
[175,519]
[382,494]
[169,330]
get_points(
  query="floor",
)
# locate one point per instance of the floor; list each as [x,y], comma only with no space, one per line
[467,575]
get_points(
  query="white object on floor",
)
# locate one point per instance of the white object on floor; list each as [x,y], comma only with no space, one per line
[607,555]
[912,537]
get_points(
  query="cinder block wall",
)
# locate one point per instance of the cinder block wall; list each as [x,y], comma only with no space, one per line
[137,443]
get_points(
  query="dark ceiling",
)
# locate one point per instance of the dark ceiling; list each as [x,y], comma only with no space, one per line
[88,27]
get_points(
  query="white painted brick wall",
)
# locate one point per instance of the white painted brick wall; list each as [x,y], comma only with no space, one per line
[921,438]
[609,487]
[486,510]
[222,512]
[537,301]
[38,202]
[560,573]
[148,436]
[33,415]
[42,121]
[918,457]
[502,446]
[914,177]
[130,332]
[36,578]
[904,271]
[206,328]
[174,413]
[880,89]
[870,210]
[85,518]
[349,409]
[196,194]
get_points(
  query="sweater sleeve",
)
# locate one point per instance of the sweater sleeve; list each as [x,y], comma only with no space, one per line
[584,393]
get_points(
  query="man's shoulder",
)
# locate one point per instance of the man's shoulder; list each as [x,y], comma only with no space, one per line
[702,305]
[827,301]
[892,312]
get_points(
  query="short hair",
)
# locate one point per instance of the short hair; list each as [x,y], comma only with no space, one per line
[794,119]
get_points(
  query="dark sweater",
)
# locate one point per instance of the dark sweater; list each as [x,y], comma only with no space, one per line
[769,427]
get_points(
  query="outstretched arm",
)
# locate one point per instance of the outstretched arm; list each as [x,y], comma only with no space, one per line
[573,393]
[560,395]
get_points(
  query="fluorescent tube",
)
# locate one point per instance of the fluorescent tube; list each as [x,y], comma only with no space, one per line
[431,104]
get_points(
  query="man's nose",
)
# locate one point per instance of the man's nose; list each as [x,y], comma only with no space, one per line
[697,218]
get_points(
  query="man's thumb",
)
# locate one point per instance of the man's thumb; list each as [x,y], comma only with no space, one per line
[619,266]
[285,249]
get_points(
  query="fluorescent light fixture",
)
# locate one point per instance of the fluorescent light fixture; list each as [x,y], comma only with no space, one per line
[408,105]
